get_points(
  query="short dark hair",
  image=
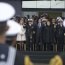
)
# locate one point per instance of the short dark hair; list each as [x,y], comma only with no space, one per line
[3,27]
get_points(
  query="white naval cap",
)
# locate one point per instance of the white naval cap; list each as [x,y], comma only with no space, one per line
[30,19]
[7,11]
[58,18]
[14,28]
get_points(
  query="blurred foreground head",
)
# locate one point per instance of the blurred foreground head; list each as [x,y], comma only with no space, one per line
[7,27]
[6,13]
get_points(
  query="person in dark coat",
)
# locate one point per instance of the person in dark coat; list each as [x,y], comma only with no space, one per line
[34,35]
[44,21]
[48,36]
[30,35]
[53,24]
[60,35]
[39,43]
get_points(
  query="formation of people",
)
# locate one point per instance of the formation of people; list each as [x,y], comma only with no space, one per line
[41,33]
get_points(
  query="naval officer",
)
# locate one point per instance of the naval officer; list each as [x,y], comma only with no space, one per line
[8,54]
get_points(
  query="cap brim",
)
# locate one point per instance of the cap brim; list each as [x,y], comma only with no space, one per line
[7,11]
[14,28]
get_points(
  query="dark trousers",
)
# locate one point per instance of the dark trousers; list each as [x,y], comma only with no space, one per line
[45,46]
[60,47]
[29,46]
[60,43]
[49,47]
[39,47]
[34,47]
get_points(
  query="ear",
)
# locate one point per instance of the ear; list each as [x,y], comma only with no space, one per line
[7,27]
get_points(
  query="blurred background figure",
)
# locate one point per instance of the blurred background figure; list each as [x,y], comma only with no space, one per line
[21,37]
[50,36]
[39,46]
[30,35]
[53,24]
[44,24]
[59,34]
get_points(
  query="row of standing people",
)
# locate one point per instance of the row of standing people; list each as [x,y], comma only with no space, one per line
[42,35]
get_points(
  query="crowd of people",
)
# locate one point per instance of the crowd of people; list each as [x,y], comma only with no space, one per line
[40,33]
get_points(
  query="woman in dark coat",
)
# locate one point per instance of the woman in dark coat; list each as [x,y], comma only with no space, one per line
[48,35]
[39,43]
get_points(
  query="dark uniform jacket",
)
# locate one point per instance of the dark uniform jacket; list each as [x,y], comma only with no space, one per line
[39,34]
[48,34]
[9,56]
[59,31]
[31,33]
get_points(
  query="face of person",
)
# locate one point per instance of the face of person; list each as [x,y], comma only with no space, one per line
[44,19]
[48,23]
[21,21]
[30,23]
[39,21]
[53,20]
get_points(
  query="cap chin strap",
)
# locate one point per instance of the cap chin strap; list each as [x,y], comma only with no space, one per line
[11,57]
